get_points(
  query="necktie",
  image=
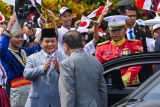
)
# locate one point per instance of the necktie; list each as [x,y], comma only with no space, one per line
[49,56]
[51,66]
[131,35]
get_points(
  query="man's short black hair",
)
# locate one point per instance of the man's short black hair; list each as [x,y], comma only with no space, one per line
[48,33]
[122,9]
[73,39]
[130,8]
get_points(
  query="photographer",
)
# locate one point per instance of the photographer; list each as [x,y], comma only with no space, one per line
[30,33]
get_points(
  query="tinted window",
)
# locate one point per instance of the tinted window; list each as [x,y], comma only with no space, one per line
[154,93]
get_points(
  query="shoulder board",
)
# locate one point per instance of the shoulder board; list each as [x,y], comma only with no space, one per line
[103,43]
[134,40]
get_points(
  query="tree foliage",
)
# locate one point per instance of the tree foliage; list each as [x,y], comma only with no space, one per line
[5,9]
[78,7]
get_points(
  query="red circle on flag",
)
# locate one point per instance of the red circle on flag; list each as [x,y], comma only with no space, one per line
[1,18]
[83,24]
[158,10]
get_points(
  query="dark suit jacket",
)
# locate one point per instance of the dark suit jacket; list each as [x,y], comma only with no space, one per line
[139,34]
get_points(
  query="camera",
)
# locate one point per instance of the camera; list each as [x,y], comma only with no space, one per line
[31,38]
[30,25]
[26,12]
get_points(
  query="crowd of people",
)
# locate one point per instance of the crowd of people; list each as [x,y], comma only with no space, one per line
[58,67]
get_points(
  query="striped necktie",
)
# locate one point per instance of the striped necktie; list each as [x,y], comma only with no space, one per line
[49,56]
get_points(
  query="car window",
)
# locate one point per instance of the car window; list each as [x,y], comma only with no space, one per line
[115,76]
[150,90]
[153,93]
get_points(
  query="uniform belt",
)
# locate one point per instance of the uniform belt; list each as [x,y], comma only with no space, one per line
[18,82]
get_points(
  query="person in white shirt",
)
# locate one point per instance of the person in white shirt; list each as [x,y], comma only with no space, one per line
[65,15]
[150,42]
[90,46]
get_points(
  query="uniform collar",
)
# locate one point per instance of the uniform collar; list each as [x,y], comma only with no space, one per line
[119,42]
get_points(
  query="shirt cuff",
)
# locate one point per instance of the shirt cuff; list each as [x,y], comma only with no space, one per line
[7,33]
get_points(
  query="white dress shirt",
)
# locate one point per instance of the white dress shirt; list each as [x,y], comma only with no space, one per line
[128,35]
[90,47]
[150,44]
[61,31]
[2,80]
[46,54]
[52,56]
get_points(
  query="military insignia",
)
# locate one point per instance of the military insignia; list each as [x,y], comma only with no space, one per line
[125,52]
[108,53]
[140,48]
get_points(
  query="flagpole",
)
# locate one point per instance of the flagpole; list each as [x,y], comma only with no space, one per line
[107,4]
[105,7]
[37,10]
[14,9]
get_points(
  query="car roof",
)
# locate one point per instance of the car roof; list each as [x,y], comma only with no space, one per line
[131,60]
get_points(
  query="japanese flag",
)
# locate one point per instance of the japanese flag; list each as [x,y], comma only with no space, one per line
[153,5]
[100,10]
[144,4]
[96,12]
[31,16]
[158,8]
[36,1]
[84,23]
[10,2]
[101,32]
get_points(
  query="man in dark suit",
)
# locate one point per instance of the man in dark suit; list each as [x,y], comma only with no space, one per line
[133,31]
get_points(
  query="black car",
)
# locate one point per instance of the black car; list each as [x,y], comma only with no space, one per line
[147,95]
[116,89]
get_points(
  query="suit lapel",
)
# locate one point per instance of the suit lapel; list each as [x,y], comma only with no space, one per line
[135,33]
[42,57]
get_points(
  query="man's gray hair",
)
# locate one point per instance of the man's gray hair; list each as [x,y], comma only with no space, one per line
[73,39]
